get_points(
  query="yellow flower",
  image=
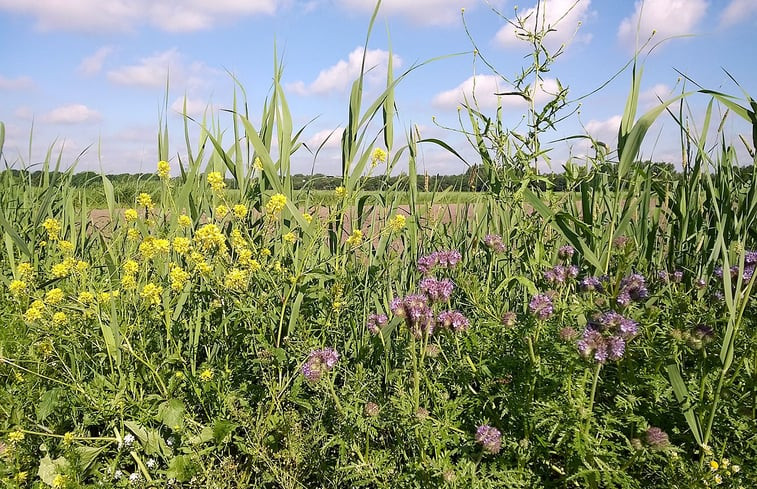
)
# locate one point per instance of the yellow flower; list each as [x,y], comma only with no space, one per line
[397,223]
[68,438]
[151,293]
[236,279]
[258,164]
[718,479]
[25,270]
[184,221]
[240,211]
[378,155]
[59,481]
[17,287]
[54,296]
[714,465]
[179,278]
[210,238]
[237,240]
[725,463]
[21,477]
[356,238]
[162,245]
[128,282]
[253,265]
[60,318]
[131,215]
[16,436]
[133,234]
[221,211]
[53,228]
[86,297]
[276,204]
[340,192]
[289,237]
[62,269]
[81,267]
[265,252]
[216,181]
[308,218]
[105,297]
[181,245]
[145,200]
[164,169]
[206,375]
[131,267]
[66,247]
[179,375]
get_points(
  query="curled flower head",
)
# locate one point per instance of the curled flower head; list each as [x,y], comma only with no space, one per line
[453,320]
[437,290]
[318,363]
[489,438]
[376,322]
[494,243]
[656,438]
[541,306]
[565,252]
[440,259]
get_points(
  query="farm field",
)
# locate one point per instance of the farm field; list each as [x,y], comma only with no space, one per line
[219,329]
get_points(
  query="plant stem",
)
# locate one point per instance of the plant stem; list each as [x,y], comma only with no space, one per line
[591,398]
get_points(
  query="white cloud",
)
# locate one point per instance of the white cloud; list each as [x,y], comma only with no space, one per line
[605,131]
[565,16]
[18,83]
[195,107]
[120,15]
[153,71]
[652,96]
[484,88]
[738,11]
[341,75]
[666,18]
[330,138]
[93,63]
[71,114]
[429,12]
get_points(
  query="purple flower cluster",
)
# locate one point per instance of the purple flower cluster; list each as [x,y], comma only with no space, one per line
[453,320]
[541,306]
[376,322]
[319,362]
[489,438]
[566,252]
[590,284]
[606,339]
[415,309]
[559,274]
[665,277]
[509,319]
[441,259]
[657,439]
[632,288]
[494,243]
[437,290]
[750,263]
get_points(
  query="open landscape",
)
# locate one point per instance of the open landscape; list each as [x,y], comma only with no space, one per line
[216,325]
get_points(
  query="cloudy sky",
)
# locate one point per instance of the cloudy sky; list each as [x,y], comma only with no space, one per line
[90,75]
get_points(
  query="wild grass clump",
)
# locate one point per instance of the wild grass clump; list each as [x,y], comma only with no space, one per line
[225,330]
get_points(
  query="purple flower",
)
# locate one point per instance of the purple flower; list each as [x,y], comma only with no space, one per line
[509,319]
[700,283]
[616,346]
[635,286]
[494,242]
[426,263]
[556,274]
[618,324]
[414,308]
[657,439]
[590,284]
[541,306]
[454,320]
[318,362]
[663,276]
[442,259]
[750,258]
[592,343]
[565,252]
[489,438]
[376,322]
[677,276]
[568,334]
[437,290]
[624,298]
[572,271]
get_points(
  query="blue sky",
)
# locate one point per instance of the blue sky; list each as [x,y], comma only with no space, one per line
[92,73]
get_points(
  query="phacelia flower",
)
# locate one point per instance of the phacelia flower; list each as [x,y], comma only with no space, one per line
[437,290]
[565,252]
[657,439]
[414,308]
[489,438]
[376,322]
[453,320]
[509,319]
[441,259]
[541,306]
[494,243]
[318,363]
[633,287]
[590,284]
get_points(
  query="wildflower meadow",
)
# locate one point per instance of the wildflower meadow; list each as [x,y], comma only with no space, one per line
[227,331]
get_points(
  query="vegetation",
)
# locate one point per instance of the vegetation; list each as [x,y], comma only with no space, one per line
[598,336]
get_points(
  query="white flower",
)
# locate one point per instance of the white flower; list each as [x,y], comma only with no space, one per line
[118,474]
[129,440]
[135,477]
[151,463]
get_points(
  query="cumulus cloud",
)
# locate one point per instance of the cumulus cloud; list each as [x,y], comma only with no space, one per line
[565,16]
[18,83]
[484,88]
[340,76]
[429,12]
[604,130]
[117,15]
[153,71]
[738,11]
[666,18]
[652,95]
[71,114]
[330,138]
[93,63]
[196,107]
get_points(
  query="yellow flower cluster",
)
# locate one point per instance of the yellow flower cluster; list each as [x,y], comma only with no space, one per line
[356,238]
[17,287]
[152,294]
[378,156]
[54,296]
[53,228]
[66,247]
[63,269]
[236,280]
[16,436]
[181,245]
[25,270]
[240,211]
[34,312]
[216,181]
[179,278]
[209,238]
[289,237]
[145,200]
[131,215]
[206,375]
[152,246]
[184,221]
[276,204]
[221,211]
[340,192]
[60,318]
[164,169]
[397,223]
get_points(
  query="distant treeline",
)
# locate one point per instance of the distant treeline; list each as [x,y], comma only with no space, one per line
[474,179]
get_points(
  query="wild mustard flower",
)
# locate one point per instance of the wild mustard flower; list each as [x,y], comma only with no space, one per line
[179,277]
[258,163]
[162,245]
[128,282]
[237,240]
[16,436]
[62,269]
[60,318]
[33,314]
[59,481]
[130,267]
[184,221]
[289,237]
[81,267]
[378,156]
[21,477]
[54,296]
[66,247]
[204,268]
[145,200]
[265,252]
[25,270]
[340,192]
[240,211]
[356,238]
[131,215]
[308,218]
[68,438]
[397,223]
[236,280]
[276,204]
[17,287]
[714,465]
[164,169]
[181,245]
[151,293]
[86,297]
[222,211]
[53,228]
[133,234]
[209,238]
[216,181]
[207,375]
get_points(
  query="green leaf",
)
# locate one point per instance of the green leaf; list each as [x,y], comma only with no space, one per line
[47,403]
[171,413]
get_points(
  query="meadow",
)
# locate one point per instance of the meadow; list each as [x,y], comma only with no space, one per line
[202,336]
